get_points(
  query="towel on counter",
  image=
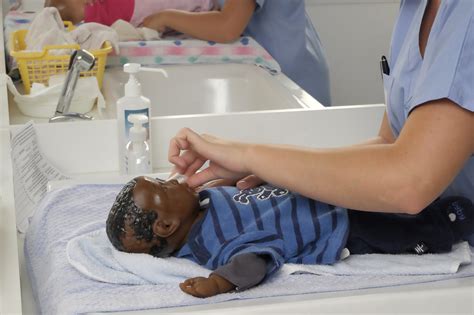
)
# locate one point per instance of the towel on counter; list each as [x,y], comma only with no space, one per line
[386,264]
[94,256]
[127,32]
[47,28]
[59,288]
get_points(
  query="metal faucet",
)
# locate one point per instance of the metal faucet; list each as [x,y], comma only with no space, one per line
[81,60]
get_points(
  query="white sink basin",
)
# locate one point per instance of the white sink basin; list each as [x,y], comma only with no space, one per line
[200,89]
[204,89]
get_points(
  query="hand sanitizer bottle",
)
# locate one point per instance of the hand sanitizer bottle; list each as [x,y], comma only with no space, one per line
[131,104]
[138,156]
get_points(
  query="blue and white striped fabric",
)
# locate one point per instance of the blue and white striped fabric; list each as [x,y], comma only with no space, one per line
[266,220]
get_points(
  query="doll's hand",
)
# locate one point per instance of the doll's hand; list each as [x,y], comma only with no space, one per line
[156,22]
[206,287]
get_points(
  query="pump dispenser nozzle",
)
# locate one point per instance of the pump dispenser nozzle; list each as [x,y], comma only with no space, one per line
[138,132]
[132,87]
[138,159]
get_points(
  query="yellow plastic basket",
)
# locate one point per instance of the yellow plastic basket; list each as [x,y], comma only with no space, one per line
[40,66]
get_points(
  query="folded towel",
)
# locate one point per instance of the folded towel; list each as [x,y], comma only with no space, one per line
[47,28]
[59,288]
[92,36]
[127,32]
[93,255]
[385,264]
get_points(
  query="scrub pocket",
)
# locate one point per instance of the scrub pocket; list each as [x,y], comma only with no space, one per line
[387,87]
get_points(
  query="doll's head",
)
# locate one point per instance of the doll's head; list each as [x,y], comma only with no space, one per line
[152,216]
[70,10]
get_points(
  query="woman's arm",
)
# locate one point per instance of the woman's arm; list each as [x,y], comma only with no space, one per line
[385,135]
[221,26]
[395,176]
[403,176]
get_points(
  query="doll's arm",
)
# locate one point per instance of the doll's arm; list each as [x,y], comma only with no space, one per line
[242,272]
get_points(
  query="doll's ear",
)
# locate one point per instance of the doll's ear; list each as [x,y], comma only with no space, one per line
[165,228]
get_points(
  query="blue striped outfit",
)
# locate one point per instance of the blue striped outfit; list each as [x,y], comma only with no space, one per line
[268,221]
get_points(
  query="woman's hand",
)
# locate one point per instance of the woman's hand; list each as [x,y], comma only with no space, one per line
[156,22]
[226,158]
[250,181]
[206,287]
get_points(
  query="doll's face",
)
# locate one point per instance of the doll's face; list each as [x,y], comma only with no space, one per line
[176,206]
[168,198]
[70,10]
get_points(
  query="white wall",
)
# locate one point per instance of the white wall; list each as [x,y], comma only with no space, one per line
[355,33]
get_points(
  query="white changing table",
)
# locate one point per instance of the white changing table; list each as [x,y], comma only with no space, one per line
[350,124]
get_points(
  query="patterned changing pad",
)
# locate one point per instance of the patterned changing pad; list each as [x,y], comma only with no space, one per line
[166,51]
[193,51]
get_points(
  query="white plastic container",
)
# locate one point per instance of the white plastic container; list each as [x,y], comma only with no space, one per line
[133,103]
[138,155]
[42,101]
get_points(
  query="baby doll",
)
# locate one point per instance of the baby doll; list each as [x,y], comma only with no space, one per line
[134,11]
[245,236]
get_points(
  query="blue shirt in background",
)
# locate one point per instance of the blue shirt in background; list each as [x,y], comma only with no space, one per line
[446,71]
[269,221]
[284,29]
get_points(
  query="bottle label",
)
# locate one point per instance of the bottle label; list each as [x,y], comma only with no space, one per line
[128,125]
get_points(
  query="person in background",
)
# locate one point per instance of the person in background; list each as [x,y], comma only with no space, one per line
[425,146]
[282,27]
[107,12]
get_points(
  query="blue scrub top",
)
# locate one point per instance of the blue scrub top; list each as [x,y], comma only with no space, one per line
[283,28]
[446,71]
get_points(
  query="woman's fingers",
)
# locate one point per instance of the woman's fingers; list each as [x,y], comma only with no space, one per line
[250,181]
[201,178]
[194,167]
[218,183]
[177,144]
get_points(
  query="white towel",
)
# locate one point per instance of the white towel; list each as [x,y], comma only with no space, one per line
[60,289]
[47,28]
[385,264]
[92,36]
[127,32]
[93,255]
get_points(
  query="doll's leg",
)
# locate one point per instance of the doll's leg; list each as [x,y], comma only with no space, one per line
[443,223]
